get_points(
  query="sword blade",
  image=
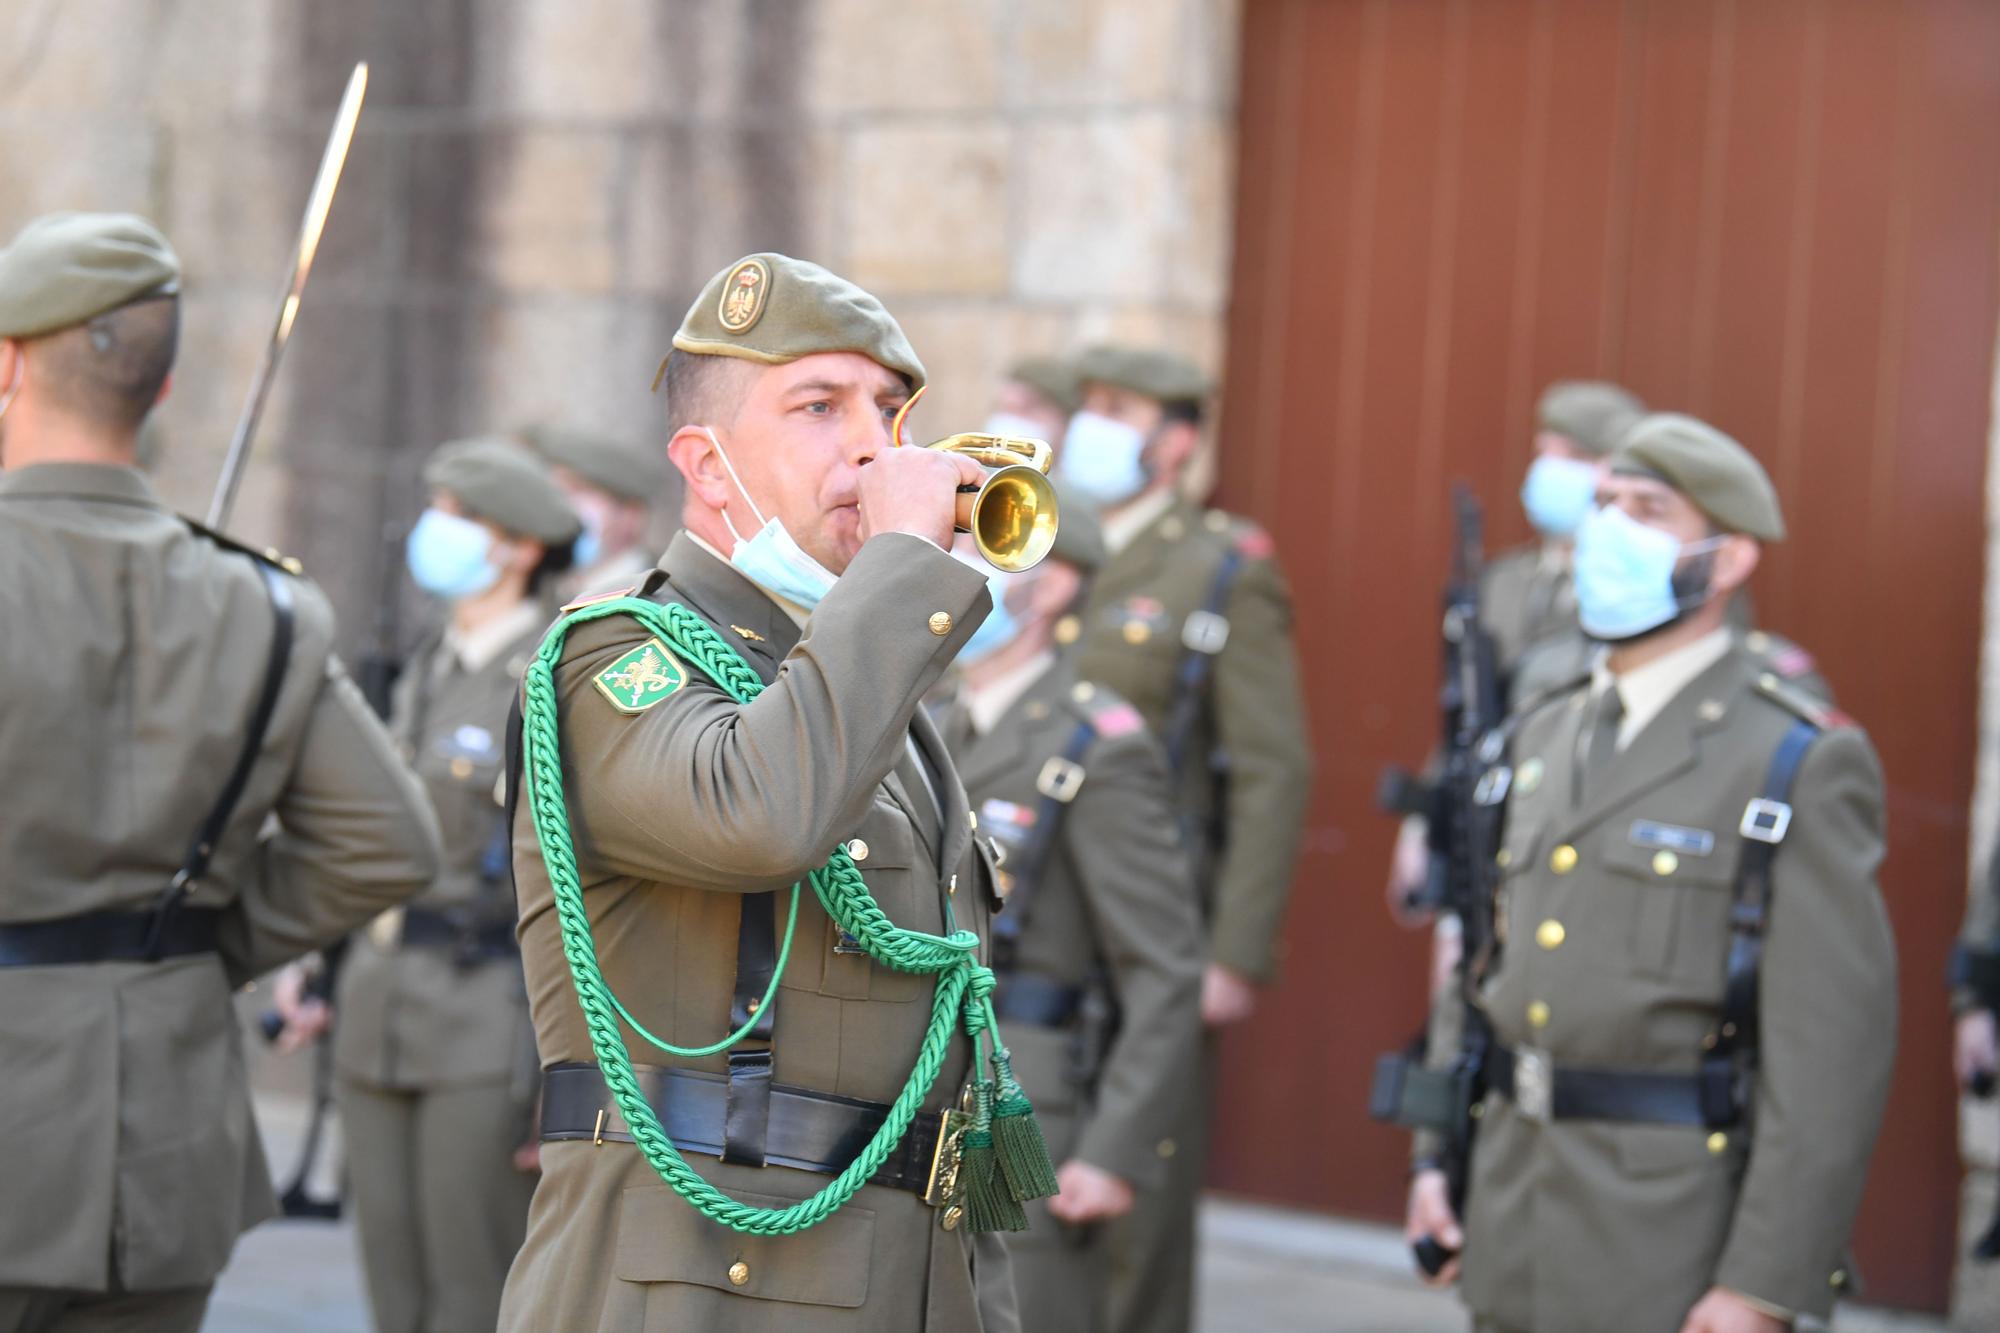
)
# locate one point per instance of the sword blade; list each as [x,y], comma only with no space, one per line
[317,205]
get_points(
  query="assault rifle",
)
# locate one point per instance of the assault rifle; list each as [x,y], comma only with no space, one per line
[1978,970]
[1460,806]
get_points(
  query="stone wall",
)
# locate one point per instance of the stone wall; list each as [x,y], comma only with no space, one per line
[539,187]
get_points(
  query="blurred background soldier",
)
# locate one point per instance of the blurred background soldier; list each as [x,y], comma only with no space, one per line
[1975,1000]
[433,1048]
[1190,620]
[1691,983]
[613,487]
[171,694]
[1099,950]
[1035,400]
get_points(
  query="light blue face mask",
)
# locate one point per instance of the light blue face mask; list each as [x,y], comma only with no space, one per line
[769,557]
[998,629]
[1558,493]
[1625,575]
[589,545]
[451,556]
[1103,458]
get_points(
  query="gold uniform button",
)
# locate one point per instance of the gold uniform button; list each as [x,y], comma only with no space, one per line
[1563,859]
[952,1217]
[1168,1148]
[1718,1143]
[1136,632]
[1550,934]
[1538,1013]
[461,768]
[940,623]
[1837,1279]
[1084,692]
[1171,529]
[739,1273]
[1665,863]
[858,850]
[1068,630]
[1503,858]
[1215,521]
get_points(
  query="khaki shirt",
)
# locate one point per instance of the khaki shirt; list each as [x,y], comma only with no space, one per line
[1114,897]
[1614,924]
[412,1016]
[133,654]
[676,812]
[1251,721]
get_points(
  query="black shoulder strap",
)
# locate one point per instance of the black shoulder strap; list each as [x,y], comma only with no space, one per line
[1725,1088]
[1203,636]
[1057,784]
[194,865]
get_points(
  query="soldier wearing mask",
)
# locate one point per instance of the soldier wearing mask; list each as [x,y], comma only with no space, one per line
[613,487]
[1035,400]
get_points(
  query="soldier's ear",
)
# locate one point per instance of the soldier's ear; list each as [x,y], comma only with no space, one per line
[1735,561]
[694,454]
[166,387]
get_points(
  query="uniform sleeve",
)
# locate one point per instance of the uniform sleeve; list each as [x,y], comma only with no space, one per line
[1828,1036]
[1261,718]
[1444,1037]
[698,790]
[355,835]
[1119,838]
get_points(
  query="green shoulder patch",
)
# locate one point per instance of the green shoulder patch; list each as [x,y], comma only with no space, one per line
[641,678]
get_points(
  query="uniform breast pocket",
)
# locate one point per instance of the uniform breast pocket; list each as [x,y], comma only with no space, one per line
[897,870]
[698,1274]
[1678,903]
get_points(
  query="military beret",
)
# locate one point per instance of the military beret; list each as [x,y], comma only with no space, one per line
[1156,374]
[1053,379]
[1593,413]
[504,483]
[66,268]
[1715,472]
[624,470]
[772,309]
[1079,534]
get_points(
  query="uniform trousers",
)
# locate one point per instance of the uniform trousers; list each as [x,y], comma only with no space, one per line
[36,1310]
[440,1205]
[1153,1247]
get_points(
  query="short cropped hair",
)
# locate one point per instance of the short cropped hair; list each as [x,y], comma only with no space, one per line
[704,390]
[109,370]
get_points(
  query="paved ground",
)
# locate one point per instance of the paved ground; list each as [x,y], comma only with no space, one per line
[1264,1270]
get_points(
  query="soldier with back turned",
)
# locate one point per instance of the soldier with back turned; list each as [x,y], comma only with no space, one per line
[210,797]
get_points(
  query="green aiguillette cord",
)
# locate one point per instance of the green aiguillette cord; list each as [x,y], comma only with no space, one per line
[963,995]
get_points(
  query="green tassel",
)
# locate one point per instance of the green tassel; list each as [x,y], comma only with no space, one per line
[988,1205]
[1018,1143]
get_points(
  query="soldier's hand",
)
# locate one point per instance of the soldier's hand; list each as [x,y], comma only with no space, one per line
[1086,1193]
[1226,996]
[306,1016]
[1723,1311]
[1973,1046]
[1429,1214]
[914,490]
[1409,867]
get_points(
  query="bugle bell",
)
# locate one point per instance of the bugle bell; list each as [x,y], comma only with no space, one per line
[1012,514]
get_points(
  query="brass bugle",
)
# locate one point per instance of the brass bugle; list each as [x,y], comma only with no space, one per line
[1012,514]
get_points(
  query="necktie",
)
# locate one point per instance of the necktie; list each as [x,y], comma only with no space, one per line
[1598,744]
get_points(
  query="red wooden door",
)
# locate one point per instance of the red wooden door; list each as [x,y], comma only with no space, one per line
[1783,216]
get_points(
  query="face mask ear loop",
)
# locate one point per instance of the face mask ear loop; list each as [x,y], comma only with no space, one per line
[13,390]
[741,490]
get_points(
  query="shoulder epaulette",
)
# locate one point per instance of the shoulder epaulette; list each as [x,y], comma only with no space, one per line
[593,598]
[1541,699]
[262,555]
[1241,533]
[1107,713]
[1798,702]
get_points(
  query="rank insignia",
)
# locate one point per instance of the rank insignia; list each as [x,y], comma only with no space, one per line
[743,296]
[641,678]
[1528,777]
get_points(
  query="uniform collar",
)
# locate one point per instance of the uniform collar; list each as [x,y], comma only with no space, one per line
[476,650]
[987,704]
[80,481]
[792,610]
[746,614]
[1122,528]
[1647,690]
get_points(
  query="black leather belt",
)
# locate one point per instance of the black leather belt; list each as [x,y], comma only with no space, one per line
[109,937]
[467,942]
[1023,997]
[811,1131]
[1543,1092]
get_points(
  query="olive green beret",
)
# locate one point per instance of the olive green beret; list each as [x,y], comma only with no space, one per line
[1079,535]
[1157,374]
[624,470]
[1052,379]
[504,483]
[1593,413]
[66,268]
[1715,472]
[772,309]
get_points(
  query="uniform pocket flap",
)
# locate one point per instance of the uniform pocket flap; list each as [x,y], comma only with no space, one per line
[661,1238]
[1641,855]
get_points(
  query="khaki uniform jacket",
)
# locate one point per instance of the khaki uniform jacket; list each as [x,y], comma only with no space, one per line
[1115,895]
[1253,716]
[1616,919]
[132,655]
[410,1016]
[676,812]
[1525,598]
